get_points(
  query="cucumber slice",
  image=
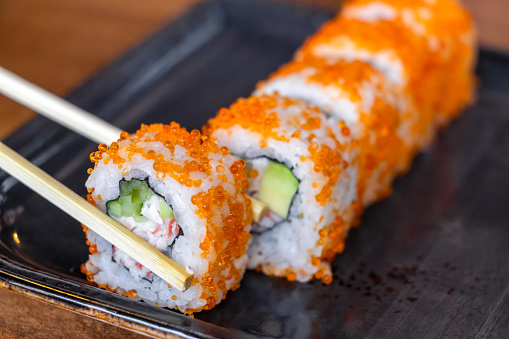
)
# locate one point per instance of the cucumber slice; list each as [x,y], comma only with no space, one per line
[165,211]
[127,210]
[125,188]
[137,209]
[136,196]
[125,200]
[278,185]
[147,193]
[133,194]
[140,195]
[140,218]
[114,209]
[135,183]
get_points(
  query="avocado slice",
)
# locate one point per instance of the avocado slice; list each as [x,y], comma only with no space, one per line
[278,185]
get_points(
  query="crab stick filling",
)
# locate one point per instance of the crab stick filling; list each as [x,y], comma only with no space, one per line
[147,215]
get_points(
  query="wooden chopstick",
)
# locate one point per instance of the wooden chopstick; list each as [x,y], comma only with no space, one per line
[57,109]
[92,217]
[73,117]
[259,209]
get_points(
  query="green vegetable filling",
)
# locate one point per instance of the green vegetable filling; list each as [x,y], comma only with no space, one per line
[278,185]
[133,194]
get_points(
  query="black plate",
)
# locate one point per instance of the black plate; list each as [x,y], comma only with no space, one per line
[430,261]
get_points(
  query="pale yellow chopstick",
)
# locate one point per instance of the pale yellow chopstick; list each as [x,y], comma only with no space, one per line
[259,209]
[96,130]
[73,117]
[93,128]
[57,109]
[92,217]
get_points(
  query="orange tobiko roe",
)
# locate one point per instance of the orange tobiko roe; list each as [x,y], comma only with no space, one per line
[252,114]
[383,120]
[256,114]
[227,240]
[437,56]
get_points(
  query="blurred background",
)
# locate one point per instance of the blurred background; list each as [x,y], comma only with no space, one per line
[59,44]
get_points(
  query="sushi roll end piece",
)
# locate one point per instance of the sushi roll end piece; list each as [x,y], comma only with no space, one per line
[184,195]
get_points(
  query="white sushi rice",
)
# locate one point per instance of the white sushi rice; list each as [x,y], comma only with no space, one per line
[120,272]
[291,244]
[371,12]
[337,103]
[385,60]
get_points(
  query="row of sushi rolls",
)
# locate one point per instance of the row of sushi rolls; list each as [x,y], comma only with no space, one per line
[319,140]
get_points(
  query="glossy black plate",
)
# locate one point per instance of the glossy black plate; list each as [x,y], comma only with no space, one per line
[429,261]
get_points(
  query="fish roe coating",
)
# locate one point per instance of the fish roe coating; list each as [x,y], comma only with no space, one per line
[421,72]
[226,237]
[433,42]
[347,75]
[321,157]
[251,114]
[380,143]
[382,148]
[443,18]
[258,114]
[341,32]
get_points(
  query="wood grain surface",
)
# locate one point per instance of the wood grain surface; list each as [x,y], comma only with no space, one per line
[58,44]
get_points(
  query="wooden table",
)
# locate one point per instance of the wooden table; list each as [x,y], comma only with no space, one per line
[58,44]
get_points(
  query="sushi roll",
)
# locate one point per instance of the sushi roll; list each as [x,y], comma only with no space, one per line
[320,140]
[184,195]
[425,47]
[381,100]
[358,97]
[396,53]
[450,35]
[303,167]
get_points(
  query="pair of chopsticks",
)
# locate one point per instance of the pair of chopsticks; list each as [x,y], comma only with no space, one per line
[100,131]
[68,201]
